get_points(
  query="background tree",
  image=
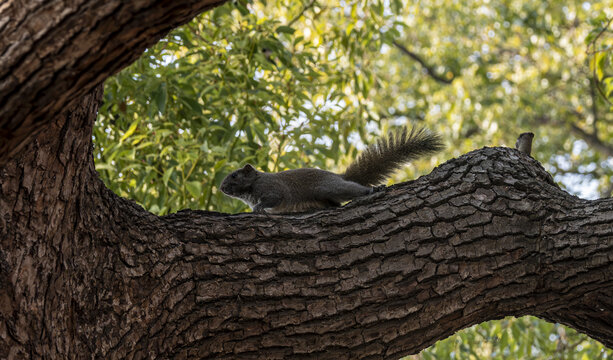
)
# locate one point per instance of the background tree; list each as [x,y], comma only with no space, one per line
[305,84]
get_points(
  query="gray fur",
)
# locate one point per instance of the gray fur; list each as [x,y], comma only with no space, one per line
[388,154]
[309,189]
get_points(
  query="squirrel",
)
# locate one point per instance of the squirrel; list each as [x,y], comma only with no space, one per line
[308,189]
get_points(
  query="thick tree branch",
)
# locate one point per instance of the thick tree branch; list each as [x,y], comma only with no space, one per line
[50,58]
[86,273]
[483,236]
[429,70]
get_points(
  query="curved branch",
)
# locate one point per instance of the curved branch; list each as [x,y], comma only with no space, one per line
[592,139]
[483,236]
[429,70]
[87,273]
[301,13]
[50,58]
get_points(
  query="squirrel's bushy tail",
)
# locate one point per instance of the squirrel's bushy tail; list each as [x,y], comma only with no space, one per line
[389,153]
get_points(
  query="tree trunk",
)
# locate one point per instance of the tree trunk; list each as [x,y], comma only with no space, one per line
[54,52]
[85,273]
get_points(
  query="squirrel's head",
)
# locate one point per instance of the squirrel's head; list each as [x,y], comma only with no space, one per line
[239,182]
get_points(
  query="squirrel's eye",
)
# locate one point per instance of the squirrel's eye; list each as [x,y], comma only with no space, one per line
[234,176]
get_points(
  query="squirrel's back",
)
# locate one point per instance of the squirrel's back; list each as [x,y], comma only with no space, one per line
[301,189]
[388,154]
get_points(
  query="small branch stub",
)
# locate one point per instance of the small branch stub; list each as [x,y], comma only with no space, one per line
[524,143]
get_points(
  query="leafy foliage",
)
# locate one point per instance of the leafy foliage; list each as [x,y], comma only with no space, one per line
[306,83]
[232,87]
[511,338]
[600,51]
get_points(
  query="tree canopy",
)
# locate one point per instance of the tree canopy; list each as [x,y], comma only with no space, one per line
[307,83]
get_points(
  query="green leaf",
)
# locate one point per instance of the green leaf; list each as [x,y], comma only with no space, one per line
[100,167]
[219,164]
[193,105]
[599,59]
[167,173]
[242,8]
[160,97]
[130,130]
[194,188]
[285,30]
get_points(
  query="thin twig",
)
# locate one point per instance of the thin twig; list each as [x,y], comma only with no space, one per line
[591,139]
[605,28]
[593,52]
[304,9]
[428,68]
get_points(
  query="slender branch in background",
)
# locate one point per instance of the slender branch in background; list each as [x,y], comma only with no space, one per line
[592,52]
[196,32]
[592,140]
[593,42]
[428,68]
[408,114]
[304,9]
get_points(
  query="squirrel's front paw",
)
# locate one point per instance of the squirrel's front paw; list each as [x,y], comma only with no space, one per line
[259,209]
[378,188]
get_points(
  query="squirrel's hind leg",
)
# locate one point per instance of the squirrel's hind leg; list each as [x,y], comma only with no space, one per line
[340,190]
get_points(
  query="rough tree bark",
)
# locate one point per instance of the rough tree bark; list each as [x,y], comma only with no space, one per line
[84,273]
[54,52]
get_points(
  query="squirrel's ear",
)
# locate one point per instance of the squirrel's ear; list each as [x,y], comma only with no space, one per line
[248,168]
